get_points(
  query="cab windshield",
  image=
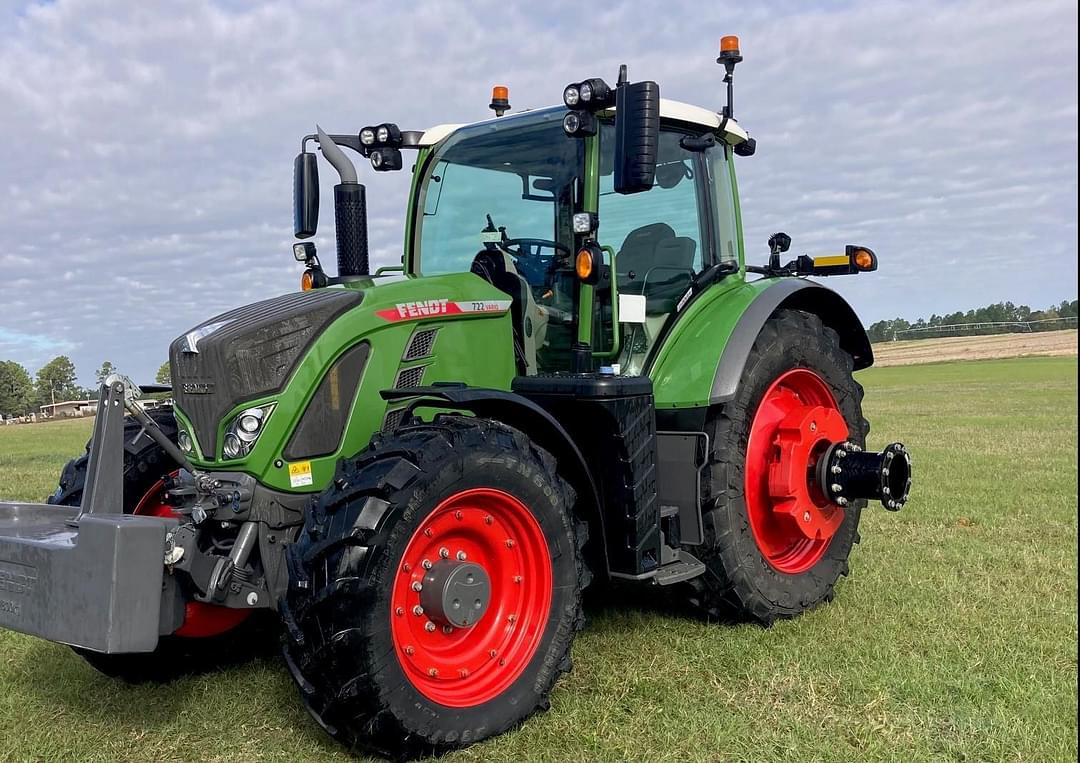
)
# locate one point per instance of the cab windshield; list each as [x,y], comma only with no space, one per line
[512,179]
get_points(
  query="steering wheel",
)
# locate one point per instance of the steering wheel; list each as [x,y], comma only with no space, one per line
[533,266]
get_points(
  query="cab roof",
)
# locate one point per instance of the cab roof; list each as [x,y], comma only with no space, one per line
[675,111]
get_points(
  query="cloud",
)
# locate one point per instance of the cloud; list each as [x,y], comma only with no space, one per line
[146,148]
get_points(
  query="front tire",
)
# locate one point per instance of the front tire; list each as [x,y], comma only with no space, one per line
[375,668]
[760,567]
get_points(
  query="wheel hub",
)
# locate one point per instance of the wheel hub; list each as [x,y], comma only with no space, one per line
[456,593]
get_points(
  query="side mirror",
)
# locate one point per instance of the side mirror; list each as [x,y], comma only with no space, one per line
[637,136]
[305,195]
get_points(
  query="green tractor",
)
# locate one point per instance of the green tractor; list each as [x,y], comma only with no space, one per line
[573,375]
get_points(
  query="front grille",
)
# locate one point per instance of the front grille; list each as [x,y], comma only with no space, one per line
[410,377]
[421,344]
[247,353]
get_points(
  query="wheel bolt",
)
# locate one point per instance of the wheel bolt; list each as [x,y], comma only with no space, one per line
[806,516]
[493,653]
[460,556]
[428,533]
[417,586]
[518,579]
[488,519]
[410,651]
[813,426]
[429,626]
[463,673]
[406,567]
[418,610]
[444,552]
[433,672]
[447,630]
[399,611]
[458,515]
[511,618]
[426,564]
[837,487]
[509,543]
[841,501]
[836,469]
[502,663]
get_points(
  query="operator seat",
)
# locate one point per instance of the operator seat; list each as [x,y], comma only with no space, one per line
[529,319]
[655,262]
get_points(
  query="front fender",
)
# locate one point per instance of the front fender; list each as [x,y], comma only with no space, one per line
[701,361]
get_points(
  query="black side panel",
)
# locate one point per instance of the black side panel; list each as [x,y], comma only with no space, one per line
[246,353]
[612,420]
[323,423]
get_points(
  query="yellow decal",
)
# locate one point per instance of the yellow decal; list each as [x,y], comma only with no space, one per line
[300,474]
[826,262]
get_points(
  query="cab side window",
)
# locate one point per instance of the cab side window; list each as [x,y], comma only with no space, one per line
[660,236]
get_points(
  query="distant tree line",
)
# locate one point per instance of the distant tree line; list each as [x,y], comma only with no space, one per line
[1001,312]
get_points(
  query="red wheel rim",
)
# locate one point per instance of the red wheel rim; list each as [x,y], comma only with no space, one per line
[200,619]
[463,667]
[791,520]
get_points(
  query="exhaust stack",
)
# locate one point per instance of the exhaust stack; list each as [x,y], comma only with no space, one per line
[350,211]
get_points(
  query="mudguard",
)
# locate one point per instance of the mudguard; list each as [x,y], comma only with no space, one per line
[701,359]
[522,414]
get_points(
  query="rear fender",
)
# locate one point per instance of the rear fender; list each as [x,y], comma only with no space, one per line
[702,356]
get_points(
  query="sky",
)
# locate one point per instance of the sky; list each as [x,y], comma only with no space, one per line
[146,147]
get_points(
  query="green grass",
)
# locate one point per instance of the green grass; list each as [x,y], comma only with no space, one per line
[955,637]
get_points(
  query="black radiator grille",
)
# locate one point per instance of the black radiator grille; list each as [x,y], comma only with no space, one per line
[247,353]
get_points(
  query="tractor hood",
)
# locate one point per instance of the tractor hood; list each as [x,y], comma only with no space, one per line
[247,353]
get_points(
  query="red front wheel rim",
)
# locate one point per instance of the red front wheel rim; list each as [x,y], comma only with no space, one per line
[201,620]
[467,666]
[792,522]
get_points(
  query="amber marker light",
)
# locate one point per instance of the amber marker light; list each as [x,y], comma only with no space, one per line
[584,264]
[307,281]
[500,100]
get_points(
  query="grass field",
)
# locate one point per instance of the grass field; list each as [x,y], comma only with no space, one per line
[955,638]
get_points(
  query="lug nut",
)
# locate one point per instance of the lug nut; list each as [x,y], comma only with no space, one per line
[460,556]
[444,552]
[509,543]
[418,610]
[511,618]
[886,490]
[813,426]
[426,564]
[428,533]
[418,586]
[399,611]
[502,663]
[406,567]
[433,672]
[836,487]
[493,653]
[518,579]
[836,469]
[429,626]
[488,519]
[806,516]
[841,501]
[458,515]
[463,673]
[410,651]
[447,630]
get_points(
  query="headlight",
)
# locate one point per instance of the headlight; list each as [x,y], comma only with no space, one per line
[382,134]
[183,439]
[244,430]
[367,136]
[585,92]
[570,95]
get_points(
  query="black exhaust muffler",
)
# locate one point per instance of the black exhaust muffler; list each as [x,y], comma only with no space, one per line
[846,472]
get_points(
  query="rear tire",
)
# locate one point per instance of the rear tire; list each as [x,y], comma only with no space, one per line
[742,581]
[356,643]
[145,465]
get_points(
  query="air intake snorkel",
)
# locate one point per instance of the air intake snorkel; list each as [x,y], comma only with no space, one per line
[350,211]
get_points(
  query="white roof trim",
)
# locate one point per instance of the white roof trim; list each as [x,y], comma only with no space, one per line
[681,112]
